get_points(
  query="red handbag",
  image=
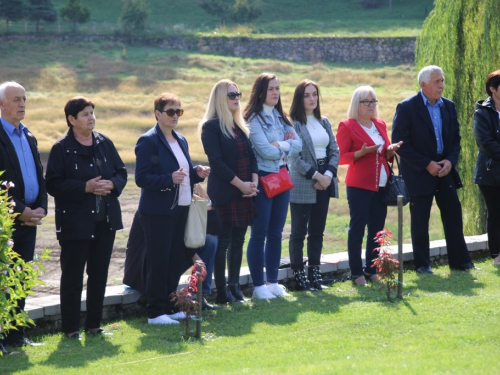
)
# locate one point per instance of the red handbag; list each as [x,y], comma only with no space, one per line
[276,183]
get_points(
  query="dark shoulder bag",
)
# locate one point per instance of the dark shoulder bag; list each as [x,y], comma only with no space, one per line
[395,186]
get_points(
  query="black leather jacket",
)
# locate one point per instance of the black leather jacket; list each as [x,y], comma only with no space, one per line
[68,169]
[487,132]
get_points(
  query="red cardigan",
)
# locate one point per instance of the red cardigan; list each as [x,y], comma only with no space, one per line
[362,172]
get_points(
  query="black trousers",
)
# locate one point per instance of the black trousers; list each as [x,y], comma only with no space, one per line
[491,196]
[366,210]
[96,254]
[451,216]
[308,219]
[165,252]
[24,239]
[231,240]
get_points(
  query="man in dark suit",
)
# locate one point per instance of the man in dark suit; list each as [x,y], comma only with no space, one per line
[20,159]
[428,126]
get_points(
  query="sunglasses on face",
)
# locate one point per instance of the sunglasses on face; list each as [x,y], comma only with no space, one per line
[234,95]
[171,112]
[368,103]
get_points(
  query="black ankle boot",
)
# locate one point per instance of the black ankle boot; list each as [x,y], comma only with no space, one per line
[235,291]
[224,296]
[301,282]
[314,277]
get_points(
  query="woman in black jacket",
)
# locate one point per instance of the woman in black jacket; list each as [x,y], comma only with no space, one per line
[85,175]
[487,174]
[233,183]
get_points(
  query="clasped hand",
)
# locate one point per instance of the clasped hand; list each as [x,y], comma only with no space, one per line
[439,168]
[98,186]
[32,218]
[249,189]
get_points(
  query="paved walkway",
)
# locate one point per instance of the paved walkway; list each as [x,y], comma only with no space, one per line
[47,305]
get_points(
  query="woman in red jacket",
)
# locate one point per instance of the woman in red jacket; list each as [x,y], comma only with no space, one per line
[365,147]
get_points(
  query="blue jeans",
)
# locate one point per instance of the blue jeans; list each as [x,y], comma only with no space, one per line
[264,246]
[207,254]
[366,208]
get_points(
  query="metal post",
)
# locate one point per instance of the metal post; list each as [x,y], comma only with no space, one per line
[199,298]
[400,246]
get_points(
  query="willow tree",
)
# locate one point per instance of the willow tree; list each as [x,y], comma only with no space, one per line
[461,36]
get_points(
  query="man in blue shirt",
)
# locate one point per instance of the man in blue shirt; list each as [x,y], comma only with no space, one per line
[428,126]
[20,159]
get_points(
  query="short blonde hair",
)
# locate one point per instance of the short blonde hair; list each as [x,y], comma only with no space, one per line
[217,108]
[361,93]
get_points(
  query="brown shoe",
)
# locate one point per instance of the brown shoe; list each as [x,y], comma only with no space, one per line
[496,261]
[360,280]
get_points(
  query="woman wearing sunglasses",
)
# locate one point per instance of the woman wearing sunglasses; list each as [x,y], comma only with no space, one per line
[273,140]
[314,175]
[166,176]
[232,184]
[365,148]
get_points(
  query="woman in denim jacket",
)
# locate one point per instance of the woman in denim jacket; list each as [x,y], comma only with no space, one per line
[273,139]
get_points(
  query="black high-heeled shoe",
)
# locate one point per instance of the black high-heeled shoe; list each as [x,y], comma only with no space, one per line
[314,277]
[301,282]
[224,296]
[234,290]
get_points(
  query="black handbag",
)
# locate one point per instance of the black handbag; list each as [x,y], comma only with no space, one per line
[395,186]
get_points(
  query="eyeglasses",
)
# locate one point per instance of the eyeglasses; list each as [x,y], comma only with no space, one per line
[368,103]
[234,95]
[171,112]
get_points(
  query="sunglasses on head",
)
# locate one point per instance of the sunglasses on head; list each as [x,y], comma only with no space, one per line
[234,95]
[171,112]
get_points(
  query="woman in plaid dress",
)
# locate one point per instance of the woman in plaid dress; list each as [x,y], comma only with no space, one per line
[314,175]
[233,183]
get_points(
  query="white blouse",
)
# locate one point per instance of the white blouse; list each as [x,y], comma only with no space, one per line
[377,138]
[185,186]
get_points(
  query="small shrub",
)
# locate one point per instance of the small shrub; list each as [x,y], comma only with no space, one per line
[17,277]
[387,265]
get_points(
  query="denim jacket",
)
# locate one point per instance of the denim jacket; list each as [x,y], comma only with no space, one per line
[263,131]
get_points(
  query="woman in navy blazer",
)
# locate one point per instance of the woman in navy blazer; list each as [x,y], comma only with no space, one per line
[365,147]
[233,183]
[166,176]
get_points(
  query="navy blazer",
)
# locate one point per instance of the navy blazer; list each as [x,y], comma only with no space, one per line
[412,124]
[155,163]
[9,163]
[221,152]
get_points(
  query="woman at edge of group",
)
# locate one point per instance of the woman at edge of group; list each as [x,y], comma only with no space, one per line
[85,175]
[273,139]
[166,176]
[313,172]
[232,183]
[365,147]
[487,173]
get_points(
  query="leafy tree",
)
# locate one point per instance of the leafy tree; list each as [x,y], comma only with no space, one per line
[462,37]
[75,12]
[11,11]
[245,11]
[41,10]
[237,10]
[16,276]
[134,15]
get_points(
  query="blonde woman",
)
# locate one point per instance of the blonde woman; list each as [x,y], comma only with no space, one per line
[365,148]
[232,184]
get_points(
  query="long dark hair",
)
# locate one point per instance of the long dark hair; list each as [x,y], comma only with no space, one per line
[258,98]
[297,110]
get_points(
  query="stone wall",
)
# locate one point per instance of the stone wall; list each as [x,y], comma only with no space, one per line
[342,50]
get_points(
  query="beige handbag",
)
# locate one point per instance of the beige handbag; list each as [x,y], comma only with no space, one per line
[196,225]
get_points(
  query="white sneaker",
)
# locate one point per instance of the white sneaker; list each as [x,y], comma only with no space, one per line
[278,290]
[162,319]
[261,292]
[178,315]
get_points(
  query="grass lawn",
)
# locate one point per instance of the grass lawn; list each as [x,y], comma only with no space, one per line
[279,18]
[444,325]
